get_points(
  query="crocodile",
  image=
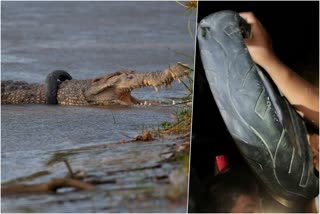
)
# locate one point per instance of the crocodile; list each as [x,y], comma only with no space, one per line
[110,89]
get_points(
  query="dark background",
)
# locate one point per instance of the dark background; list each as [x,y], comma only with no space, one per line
[294,29]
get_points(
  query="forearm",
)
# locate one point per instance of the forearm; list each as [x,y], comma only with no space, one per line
[301,94]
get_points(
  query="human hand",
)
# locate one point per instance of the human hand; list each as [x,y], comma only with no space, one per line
[259,44]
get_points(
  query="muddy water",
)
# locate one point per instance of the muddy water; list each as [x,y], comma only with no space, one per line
[87,39]
[132,177]
[28,130]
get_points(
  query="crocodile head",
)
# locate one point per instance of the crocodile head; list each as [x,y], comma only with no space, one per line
[116,88]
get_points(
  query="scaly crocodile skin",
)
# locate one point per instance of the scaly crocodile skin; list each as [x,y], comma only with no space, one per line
[114,88]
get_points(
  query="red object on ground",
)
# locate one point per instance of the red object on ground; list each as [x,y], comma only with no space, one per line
[222,163]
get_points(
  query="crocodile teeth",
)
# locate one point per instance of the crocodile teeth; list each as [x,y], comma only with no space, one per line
[145,103]
[155,88]
[173,102]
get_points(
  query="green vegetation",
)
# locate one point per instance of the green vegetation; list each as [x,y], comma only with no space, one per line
[191,7]
[183,114]
[181,125]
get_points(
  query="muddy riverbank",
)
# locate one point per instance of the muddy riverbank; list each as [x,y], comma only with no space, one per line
[129,176]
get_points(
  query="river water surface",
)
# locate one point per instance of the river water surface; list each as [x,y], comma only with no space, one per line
[87,39]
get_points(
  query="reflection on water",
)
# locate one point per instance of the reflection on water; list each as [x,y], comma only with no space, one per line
[30,130]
